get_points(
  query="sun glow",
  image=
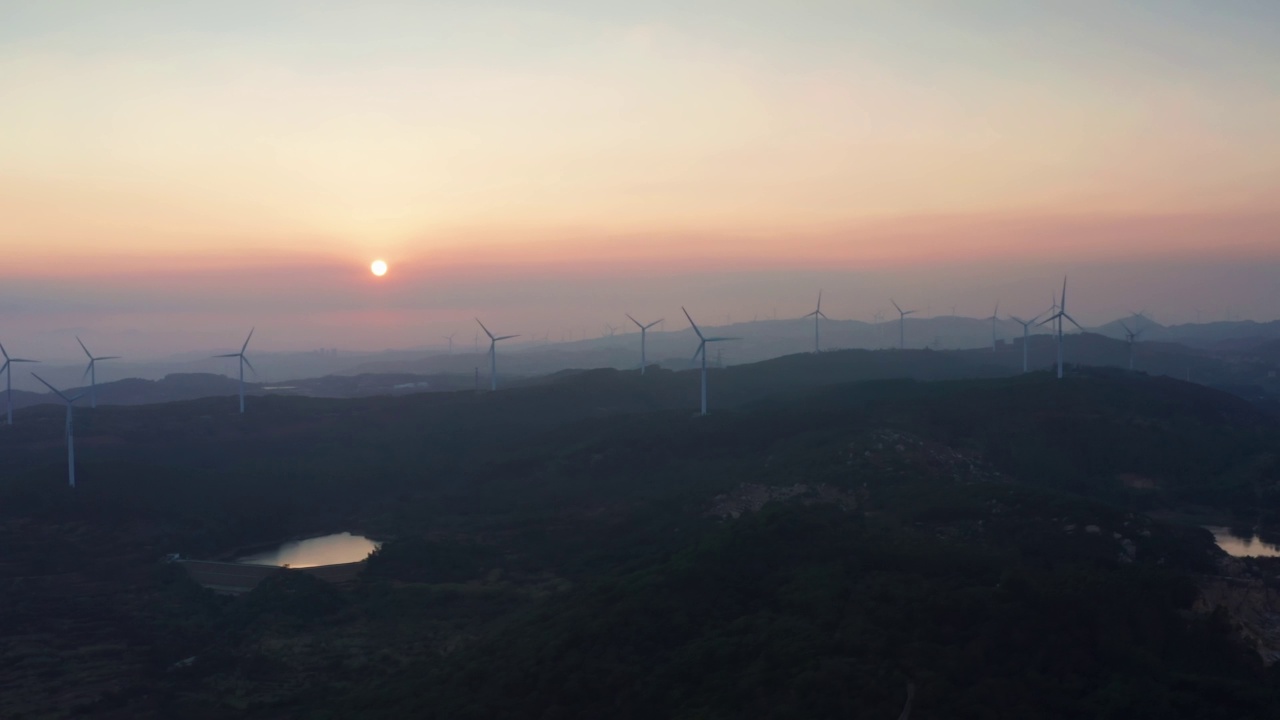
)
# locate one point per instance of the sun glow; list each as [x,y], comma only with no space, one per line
[379,268]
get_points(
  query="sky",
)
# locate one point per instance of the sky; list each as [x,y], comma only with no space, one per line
[174,172]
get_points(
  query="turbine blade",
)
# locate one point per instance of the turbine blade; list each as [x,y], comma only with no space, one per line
[702,346]
[505,337]
[721,339]
[655,322]
[82,347]
[1049,319]
[895,305]
[1073,321]
[54,389]
[2,351]
[637,322]
[485,329]
[87,370]
[691,322]
[109,357]
[819,302]
[14,360]
[910,312]
[245,360]
[1020,321]
[227,355]
[245,346]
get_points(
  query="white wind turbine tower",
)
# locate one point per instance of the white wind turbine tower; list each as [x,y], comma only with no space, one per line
[449,337]
[91,372]
[493,354]
[902,324]
[817,315]
[995,314]
[71,446]
[702,350]
[8,381]
[243,361]
[1026,334]
[644,329]
[1061,306]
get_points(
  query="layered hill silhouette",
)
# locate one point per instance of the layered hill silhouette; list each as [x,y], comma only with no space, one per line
[581,545]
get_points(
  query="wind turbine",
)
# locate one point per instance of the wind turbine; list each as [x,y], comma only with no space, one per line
[644,329]
[817,315]
[1026,334]
[8,381]
[902,324]
[91,372]
[493,354]
[71,446]
[243,361]
[1131,336]
[449,337]
[1061,305]
[702,350]
[993,318]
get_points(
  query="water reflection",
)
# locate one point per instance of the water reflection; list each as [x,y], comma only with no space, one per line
[1242,547]
[327,550]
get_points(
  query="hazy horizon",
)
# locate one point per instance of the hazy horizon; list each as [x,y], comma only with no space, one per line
[173,174]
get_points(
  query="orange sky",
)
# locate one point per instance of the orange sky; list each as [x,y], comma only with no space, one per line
[279,148]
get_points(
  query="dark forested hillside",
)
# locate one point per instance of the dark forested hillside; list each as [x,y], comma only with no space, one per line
[587,547]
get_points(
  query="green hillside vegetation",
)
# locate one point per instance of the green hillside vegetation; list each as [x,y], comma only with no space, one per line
[586,547]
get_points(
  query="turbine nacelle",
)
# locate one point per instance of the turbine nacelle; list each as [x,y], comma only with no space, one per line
[901,312]
[640,325]
[1025,323]
[818,312]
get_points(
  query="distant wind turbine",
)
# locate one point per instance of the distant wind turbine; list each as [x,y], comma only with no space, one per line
[817,315]
[91,372]
[902,324]
[1061,305]
[449,337]
[1026,334]
[995,315]
[1131,336]
[71,446]
[243,361]
[493,354]
[644,329]
[8,381]
[702,350]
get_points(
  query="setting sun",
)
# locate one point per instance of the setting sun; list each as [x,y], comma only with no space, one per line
[379,268]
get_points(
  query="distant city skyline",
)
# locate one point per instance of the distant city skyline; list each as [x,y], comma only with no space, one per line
[171,174]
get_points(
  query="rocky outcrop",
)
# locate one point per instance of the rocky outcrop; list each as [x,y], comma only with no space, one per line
[750,497]
[1248,591]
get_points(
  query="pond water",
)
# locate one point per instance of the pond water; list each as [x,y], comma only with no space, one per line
[327,550]
[1242,547]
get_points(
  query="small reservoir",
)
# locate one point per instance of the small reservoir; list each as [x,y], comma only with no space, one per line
[326,550]
[1240,546]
